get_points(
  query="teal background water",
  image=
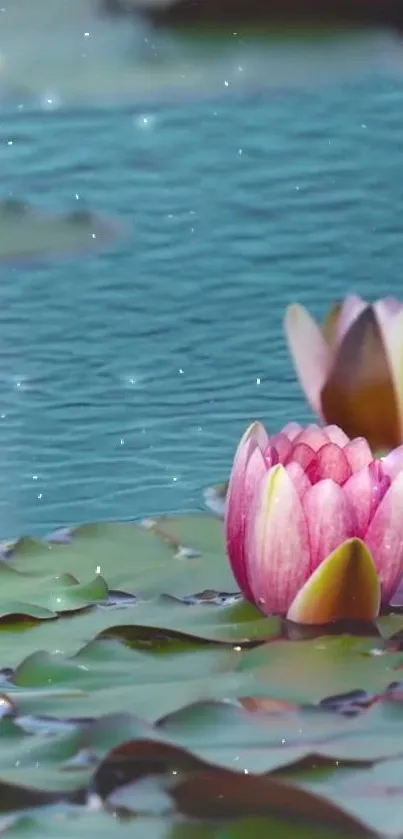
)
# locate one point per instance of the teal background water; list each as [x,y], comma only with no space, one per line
[127,376]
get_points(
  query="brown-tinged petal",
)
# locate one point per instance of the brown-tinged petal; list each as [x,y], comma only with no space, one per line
[353,305]
[345,586]
[359,393]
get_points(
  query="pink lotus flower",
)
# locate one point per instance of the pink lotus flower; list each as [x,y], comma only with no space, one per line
[314,525]
[351,368]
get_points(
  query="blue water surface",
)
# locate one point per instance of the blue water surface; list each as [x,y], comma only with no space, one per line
[127,376]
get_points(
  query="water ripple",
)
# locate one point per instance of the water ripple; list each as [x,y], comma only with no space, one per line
[128,376]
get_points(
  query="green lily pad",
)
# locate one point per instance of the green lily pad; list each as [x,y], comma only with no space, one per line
[137,684]
[42,597]
[174,575]
[307,671]
[139,559]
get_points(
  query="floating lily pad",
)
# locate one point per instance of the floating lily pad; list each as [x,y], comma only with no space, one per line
[136,681]
[42,597]
[28,233]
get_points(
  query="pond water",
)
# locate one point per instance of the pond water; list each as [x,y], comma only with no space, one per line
[127,375]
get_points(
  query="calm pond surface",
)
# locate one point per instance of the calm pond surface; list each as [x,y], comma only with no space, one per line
[127,375]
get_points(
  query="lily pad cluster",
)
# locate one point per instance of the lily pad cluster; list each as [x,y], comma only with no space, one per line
[140,695]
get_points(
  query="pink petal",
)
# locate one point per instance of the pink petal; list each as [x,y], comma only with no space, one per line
[330,519]
[310,352]
[291,430]
[271,457]
[393,462]
[276,543]
[336,435]
[248,468]
[365,490]
[381,483]
[302,454]
[299,478]
[283,446]
[385,309]
[384,538]
[313,436]
[259,433]
[255,431]
[352,307]
[330,462]
[358,453]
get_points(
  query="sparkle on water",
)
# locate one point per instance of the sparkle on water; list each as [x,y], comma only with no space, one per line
[128,374]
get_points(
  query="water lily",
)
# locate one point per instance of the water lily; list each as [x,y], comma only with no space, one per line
[351,367]
[314,525]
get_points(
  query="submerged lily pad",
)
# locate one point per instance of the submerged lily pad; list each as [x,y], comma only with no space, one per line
[27,232]
[56,53]
[215,498]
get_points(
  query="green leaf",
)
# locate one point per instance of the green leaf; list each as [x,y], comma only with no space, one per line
[42,597]
[310,670]
[130,647]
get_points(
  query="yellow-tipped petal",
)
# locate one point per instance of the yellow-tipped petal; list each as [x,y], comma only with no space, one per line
[345,586]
